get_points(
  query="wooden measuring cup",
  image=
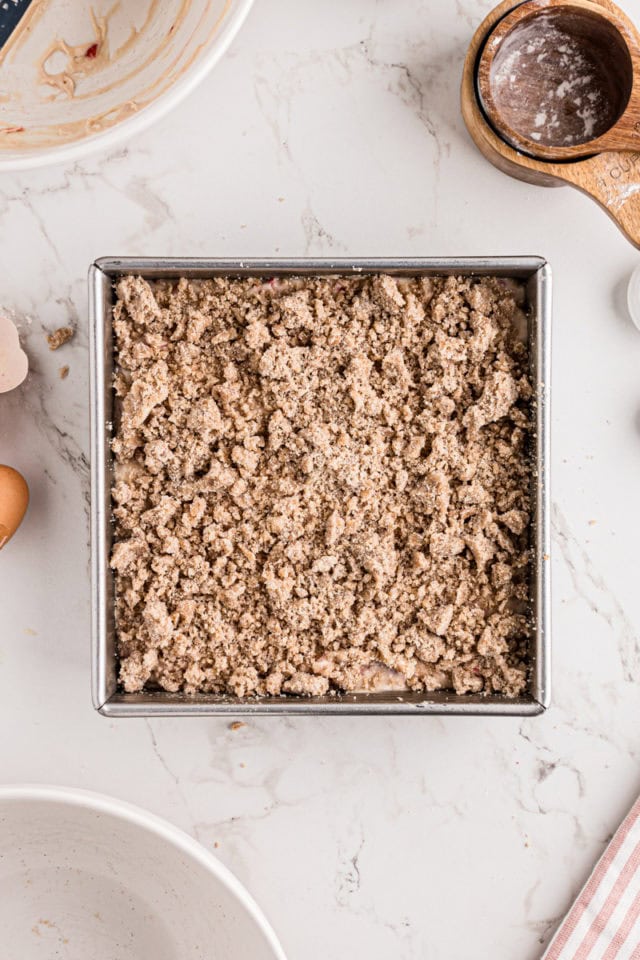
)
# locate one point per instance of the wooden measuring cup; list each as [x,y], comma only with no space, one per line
[560,80]
[606,167]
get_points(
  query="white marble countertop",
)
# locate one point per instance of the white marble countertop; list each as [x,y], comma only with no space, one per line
[333,128]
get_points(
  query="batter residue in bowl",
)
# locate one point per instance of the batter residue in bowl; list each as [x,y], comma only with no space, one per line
[73,69]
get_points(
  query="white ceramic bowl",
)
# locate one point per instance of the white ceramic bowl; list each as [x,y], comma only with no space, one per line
[78,75]
[85,876]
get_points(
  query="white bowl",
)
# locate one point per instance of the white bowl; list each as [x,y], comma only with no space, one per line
[77,75]
[83,875]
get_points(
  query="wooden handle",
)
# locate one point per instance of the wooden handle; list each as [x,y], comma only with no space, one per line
[613,180]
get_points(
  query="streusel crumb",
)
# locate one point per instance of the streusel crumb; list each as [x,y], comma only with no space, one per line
[59,337]
[322,485]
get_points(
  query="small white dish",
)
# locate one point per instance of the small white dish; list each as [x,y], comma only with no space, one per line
[633,296]
[83,875]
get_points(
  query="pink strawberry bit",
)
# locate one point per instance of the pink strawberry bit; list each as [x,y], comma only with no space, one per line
[92,51]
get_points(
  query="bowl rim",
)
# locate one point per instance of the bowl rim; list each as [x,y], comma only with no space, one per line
[131,813]
[130,126]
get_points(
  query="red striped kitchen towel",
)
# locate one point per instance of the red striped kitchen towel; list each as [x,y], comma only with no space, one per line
[604,922]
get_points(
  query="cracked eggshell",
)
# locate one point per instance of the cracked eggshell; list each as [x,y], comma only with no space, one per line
[14,364]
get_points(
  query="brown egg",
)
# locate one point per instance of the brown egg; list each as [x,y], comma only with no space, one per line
[14,499]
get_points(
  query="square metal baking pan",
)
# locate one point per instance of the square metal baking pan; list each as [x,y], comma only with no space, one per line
[112,702]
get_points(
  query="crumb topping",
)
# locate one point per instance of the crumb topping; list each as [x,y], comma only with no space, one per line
[59,337]
[322,485]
